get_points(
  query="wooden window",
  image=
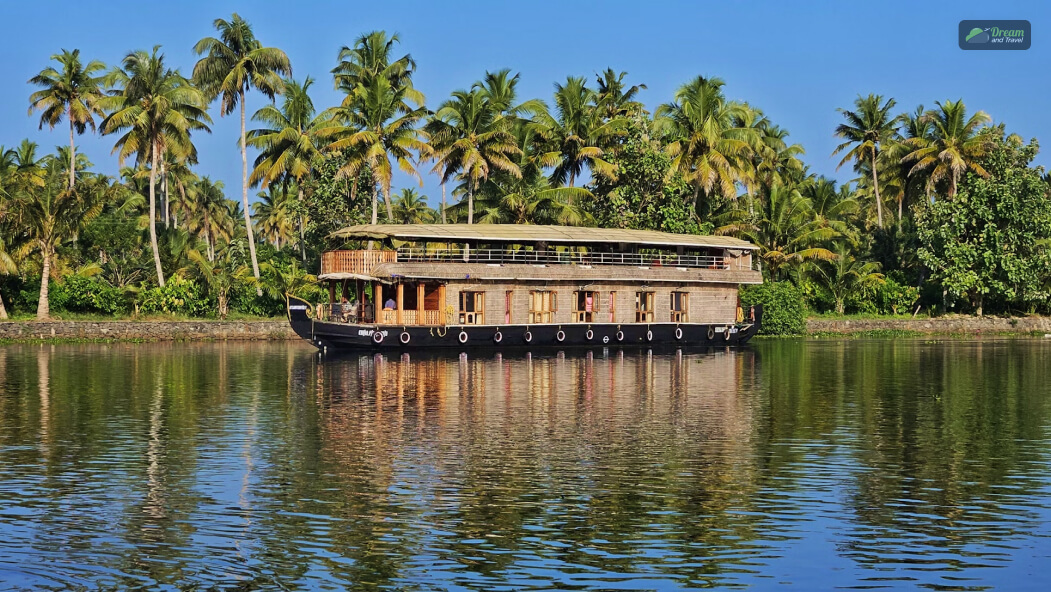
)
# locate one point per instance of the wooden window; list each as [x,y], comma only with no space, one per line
[507,307]
[680,307]
[644,307]
[472,308]
[586,305]
[542,306]
[612,307]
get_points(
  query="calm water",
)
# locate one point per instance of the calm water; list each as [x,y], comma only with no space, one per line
[869,464]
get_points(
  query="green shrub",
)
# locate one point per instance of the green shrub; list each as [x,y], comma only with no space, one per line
[23,292]
[243,299]
[178,296]
[895,296]
[892,297]
[784,310]
[11,287]
[81,294]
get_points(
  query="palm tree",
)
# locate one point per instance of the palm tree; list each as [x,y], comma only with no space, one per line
[532,200]
[7,267]
[26,169]
[955,145]
[289,144]
[370,58]
[786,231]
[916,131]
[577,131]
[156,109]
[865,132]
[376,121]
[614,98]
[411,208]
[51,213]
[80,162]
[237,62]
[271,213]
[221,274]
[291,280]
[470,138]
[211,218]
[705,139]
[7,229]
[74,92]
[499,90]
[176,172]
[844,275]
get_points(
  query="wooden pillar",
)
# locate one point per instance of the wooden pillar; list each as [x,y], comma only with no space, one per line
[401,300]
[441,304]
[419,304]
[331,292]
[377,303]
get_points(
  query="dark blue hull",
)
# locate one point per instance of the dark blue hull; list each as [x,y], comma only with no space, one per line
[345,336]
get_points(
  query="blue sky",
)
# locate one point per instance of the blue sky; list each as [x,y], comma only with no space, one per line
[797,61]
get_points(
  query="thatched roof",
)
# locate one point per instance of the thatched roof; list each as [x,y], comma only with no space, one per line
[527,234]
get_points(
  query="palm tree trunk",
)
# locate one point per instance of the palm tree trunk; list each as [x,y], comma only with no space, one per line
[182,195]
[901,201]
[43,308]
[443,203]
[470,202]
[164,191]
[302,232]
[386,201]
[875,189]
[153,216]
[3,311]
[375,207]
[72,150]
[244,199]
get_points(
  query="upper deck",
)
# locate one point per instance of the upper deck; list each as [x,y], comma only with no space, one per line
[493,251]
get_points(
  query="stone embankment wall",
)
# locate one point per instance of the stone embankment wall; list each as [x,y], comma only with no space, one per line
[148,330]
[943,325]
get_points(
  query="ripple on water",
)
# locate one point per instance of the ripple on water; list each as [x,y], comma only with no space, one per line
[864,464]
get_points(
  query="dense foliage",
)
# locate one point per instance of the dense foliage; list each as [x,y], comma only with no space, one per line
[946,212]
[784,309]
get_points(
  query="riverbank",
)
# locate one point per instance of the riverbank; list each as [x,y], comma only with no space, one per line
[949,325]
[277,330]
[202,330]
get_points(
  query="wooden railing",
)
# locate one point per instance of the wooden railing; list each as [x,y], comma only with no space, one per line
[507,256]
[413,317]
[358,262]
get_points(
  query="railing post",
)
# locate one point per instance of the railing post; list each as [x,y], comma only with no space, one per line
[401,301]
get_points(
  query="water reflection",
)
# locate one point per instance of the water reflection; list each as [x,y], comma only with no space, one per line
[820,464]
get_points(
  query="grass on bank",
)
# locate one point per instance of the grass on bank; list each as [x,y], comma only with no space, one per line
[151,318]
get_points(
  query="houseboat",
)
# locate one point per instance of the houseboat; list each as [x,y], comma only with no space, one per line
[423,286]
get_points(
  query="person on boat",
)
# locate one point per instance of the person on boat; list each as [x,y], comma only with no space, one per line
[366,310]
[588,306]
[344,308]
[352,312]
[389,304]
